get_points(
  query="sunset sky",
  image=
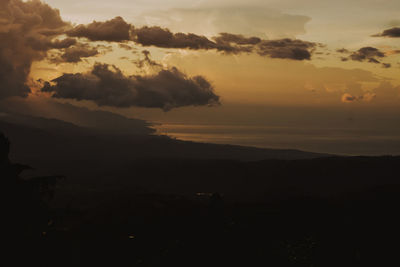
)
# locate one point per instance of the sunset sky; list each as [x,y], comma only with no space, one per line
[328,67]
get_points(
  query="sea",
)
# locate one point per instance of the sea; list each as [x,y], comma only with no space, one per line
[341,141]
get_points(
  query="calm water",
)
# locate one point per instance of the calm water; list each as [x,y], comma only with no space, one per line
[329,140]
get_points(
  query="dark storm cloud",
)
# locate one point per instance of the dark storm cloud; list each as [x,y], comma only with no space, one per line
[107,86]
[393,32]
[114,30]
[75,54]
[27,31]
[369,54]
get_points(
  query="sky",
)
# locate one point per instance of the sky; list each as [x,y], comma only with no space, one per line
[298,64]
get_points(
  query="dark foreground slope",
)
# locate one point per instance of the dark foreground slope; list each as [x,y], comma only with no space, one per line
[170,211]
[321,212]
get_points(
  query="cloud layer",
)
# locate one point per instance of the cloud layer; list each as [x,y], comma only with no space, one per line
[117,30]
[32,31]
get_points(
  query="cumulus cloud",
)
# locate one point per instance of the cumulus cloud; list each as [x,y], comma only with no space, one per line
[392,32]
[114,30]
[107,86]
[369,54]
[27,31]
